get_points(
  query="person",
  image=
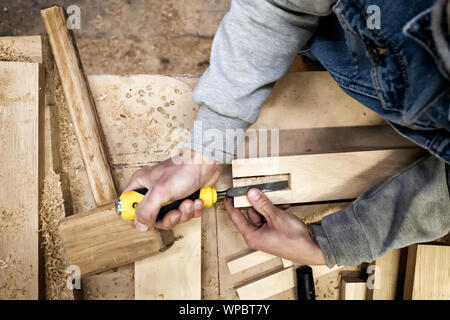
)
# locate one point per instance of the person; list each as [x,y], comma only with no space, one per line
[392,56]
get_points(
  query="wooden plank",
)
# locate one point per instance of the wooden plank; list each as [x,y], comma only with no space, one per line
[174,274]
[210,263]
[52,207]
[313,100]
[427,273]
[100,240]
[324,177]
[22,49]
[81,106]
[353,288]
[21,175]
[268,286]
[387,275]
[248,260]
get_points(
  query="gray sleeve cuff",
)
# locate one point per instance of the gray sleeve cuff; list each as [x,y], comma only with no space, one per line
[217,136]
[342,239]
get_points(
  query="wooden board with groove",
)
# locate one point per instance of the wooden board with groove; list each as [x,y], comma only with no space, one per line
[324,177]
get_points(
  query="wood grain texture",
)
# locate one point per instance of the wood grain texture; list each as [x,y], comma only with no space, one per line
[210,261]
[268,286]
[22,49]
[21,175]
[427,273]
[100,240]
[353,288]
[174,274]
[388,276]
[81,106]
[313,100]
[248,260]
[324,177]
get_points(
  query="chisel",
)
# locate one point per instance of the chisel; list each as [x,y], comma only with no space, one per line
[127,202]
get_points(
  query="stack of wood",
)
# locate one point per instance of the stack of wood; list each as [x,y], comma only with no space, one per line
[326,138]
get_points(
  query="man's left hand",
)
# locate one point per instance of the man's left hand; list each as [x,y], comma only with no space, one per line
[272,230]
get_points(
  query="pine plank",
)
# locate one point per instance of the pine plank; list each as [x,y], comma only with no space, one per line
[427,273]
[353,288]
[388,275]
[174,274]
[21,175]
[324,177]
[268,286]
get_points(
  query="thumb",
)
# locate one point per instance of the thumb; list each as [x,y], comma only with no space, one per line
[262,204]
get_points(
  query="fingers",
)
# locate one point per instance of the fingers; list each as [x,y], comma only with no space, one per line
[187,210]
[148,209]
[240,222]
[254,217]
[198,208]
[170,220]
[262,205]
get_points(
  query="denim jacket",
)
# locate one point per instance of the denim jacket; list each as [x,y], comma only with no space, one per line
[400,70]
[396,70]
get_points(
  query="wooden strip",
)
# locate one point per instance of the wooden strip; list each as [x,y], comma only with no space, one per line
[387,276]
[427,273]
[21,175]
[176,273]
[287,263]
[353,288]
[210,262]
[325,177]
[21,49]
[268,286]
[100,240]
[248,260]
[81,106]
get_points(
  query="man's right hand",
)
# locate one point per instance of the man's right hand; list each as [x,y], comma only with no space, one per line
[172,180]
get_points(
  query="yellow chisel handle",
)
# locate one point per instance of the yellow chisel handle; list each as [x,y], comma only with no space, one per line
[127,203]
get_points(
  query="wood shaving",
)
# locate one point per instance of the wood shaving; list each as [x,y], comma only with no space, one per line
[51,212]
[8,53]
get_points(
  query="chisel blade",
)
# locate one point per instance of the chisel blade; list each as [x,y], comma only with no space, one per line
[264,187]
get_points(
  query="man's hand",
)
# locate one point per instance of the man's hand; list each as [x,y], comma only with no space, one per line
[172,180]
[275,231]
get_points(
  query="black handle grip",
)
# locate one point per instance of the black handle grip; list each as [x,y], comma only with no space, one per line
[305,283]
[171,206]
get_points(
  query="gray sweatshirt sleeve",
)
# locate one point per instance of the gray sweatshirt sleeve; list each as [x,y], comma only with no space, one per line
[254,46]
[411,207]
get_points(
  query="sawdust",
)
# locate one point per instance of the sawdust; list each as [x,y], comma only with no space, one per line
[319,215]
[11,221]
[51,212]
[9,53]
[15,278]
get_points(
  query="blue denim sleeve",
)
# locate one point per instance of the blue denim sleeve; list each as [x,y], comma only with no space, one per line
[255,45]
[411,207]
